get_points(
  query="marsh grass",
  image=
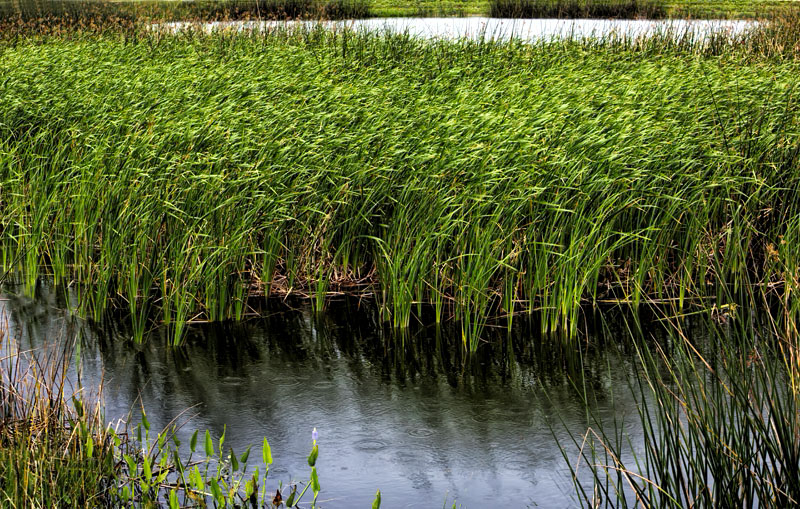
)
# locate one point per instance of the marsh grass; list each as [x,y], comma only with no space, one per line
[193,174]
[720,412]
[625,9]
[47,458]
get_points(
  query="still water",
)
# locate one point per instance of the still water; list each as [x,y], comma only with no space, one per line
[412,416]
[530,30]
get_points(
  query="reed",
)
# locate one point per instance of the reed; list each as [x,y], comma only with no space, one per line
[46,456]
[718,406]
[101,12]
[187,176]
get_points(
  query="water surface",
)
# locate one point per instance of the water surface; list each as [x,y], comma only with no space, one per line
[530,30]
[413,416]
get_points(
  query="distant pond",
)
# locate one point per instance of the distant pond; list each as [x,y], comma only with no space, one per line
[531,30]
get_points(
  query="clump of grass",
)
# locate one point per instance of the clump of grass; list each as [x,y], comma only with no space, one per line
[57,451]
[192,174]
[54,451]
[577,9]
[720,414]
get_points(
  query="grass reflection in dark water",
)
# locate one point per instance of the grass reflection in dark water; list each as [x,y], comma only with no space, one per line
[402,414]
[675,412]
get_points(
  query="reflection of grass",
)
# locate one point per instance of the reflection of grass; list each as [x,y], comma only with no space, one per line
[55,451]
[623,9]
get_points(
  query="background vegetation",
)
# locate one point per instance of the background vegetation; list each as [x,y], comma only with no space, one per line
[345,9]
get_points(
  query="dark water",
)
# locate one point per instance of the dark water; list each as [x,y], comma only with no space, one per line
[413,417]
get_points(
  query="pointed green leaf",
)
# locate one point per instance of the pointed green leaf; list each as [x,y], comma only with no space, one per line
[209,445]
[193,441]
[146,471]
[246,455]
[314,481]
[312,457]
[266,452]
[234,461]
[145,422]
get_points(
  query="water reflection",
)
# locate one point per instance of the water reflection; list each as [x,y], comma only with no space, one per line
[530,30]
[413,416]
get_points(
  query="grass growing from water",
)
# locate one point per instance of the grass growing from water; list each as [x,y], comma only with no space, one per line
[185,176]
[720,414]
[56,450]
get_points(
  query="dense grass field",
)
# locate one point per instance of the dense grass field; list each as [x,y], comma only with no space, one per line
[184,176]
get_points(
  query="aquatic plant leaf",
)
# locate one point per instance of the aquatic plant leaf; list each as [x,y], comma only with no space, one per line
[209,445]
[132,468]
[246,454]
[376,504]
[145,422]
[314,481]
[216,491]
[193,441]
[146,471]
[312,457]
[292,495]
[234,461]
[266,452]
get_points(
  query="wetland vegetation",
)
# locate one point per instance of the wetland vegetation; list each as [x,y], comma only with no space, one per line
[207,10]
[180,178]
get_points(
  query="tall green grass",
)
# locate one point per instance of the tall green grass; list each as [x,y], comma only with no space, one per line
[184,177]
[101,11]
[719,413]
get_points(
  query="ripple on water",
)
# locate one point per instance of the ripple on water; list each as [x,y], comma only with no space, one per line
[420,432]
[286,382]
[370,445]
[323,384]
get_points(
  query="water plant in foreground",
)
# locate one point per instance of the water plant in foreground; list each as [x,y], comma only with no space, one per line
[56,450]
[721,419]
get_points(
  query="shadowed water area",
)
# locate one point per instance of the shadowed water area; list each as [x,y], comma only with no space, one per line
[414,417]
